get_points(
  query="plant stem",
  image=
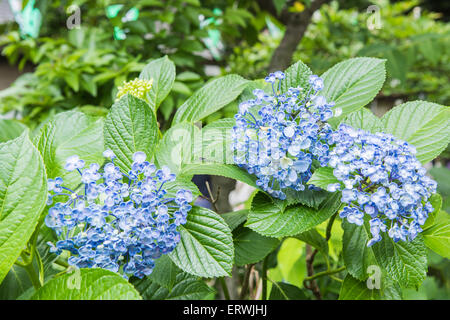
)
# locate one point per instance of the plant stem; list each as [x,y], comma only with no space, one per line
[324,273]
[311,285]
[34,277]
[246,280]
[226,293]
[330,226]
[264,279]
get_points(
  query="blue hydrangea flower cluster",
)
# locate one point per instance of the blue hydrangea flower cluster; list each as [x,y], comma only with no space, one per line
[117,221]
[278,136]
[380,177]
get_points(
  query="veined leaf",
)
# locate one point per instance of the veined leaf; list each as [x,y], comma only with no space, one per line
[177,147]
[251,247]
[224,170]
[186,287]
[437,237]
[70,133]
[23,194]
[405,262]
[364,119]
[277,221]
[353,289]
[206,245]
[424,124]
[162,71]
[87,284]
[10,129]
[353,83]
[130,126]
[322,177]
[210,98]
[296,75]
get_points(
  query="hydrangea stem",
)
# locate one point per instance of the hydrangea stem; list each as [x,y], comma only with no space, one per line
[226,293]
[264,278]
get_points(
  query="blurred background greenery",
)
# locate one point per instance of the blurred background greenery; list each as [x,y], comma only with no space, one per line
[47,67]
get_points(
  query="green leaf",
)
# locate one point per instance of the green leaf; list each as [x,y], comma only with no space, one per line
[173,186]
[206,245]
[177,147]
[87,284]
[353,289]
[10,129]
[235,218]
[23,194]
[164,273]
[216,142]
[251,247]
[424,124]
[314,238]
[307,197]
[286,291]
[353,83]
[436,202]
[437,237]
[364,119]
[224,170]
[296,75]
[210,98]
[130,126]
[162,71]
[405,262]
[270,218]
[187,287]
[357,256]
[67,134]
[322,177]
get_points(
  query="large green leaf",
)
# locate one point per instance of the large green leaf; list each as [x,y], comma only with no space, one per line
[216,142]
[296,75]
[322,177]
[364,119]
[130,126]
[164,273]
[405,262]
[10,129]
[437,237]
[224,170]
[314,238]
[353,83]
[210,98]
[162,71]
[424,124]
[251,247]
[177,147]
[307,197]
[235,218]
[23,193]
[186,287]
[286,291]
[87,284]
[206,245]
[70,133]
[272,218]
[357,256]
[353,289]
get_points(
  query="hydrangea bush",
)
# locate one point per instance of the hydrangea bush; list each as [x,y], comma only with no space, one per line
[330,179]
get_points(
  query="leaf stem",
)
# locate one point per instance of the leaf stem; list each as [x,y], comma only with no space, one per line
[264,278]
[246,281]
[324,273]
[226,293]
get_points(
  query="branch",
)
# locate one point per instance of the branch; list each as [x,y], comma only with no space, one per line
[312,285]
[296,25]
